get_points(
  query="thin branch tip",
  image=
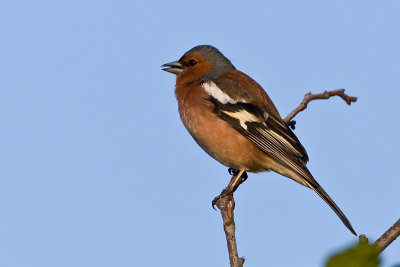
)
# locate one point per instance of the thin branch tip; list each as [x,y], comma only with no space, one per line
[325,95]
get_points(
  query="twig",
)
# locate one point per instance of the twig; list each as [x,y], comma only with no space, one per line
[388,237]
[225,204]
[325,95]
[363,239]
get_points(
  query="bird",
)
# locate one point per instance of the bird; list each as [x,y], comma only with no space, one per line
[232,118]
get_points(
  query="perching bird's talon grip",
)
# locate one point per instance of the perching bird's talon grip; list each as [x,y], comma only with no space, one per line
[223,194]
[292,124]
[232,171]
[239,176]
[244,177]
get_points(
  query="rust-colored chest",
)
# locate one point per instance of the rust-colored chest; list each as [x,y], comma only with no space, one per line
[215,135]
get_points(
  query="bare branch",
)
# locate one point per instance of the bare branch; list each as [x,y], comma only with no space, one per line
[388,237]
[325,95]
[226,206]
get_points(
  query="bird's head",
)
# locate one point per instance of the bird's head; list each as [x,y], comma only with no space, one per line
[201,62]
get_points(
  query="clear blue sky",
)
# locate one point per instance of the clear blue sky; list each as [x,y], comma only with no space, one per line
[96,168]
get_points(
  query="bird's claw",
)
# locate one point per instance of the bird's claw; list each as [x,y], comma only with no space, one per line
[222,195]
[233,185]
[244,177]
[233,171]
[292,124]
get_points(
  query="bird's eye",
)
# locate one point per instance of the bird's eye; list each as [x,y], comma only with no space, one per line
[192,62]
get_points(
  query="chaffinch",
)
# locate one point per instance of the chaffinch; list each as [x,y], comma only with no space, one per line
[233,119]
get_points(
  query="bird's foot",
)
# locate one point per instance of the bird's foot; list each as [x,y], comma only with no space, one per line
[239,176]
[292,124]
[223,194]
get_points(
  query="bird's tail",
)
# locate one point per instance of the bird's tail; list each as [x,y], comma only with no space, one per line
[321,192]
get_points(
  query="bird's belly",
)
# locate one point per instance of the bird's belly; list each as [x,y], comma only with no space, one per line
[224,143]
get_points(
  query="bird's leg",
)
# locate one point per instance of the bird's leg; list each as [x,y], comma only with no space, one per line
[237,178]
[233,171]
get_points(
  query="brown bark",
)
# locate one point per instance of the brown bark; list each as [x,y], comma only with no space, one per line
[226,206]
[388,237]
[325,95]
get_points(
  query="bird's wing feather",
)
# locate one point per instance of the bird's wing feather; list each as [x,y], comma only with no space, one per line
[267,133]
[246,95]
[241,102]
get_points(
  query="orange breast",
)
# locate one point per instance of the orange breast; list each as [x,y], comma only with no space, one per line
[215,135]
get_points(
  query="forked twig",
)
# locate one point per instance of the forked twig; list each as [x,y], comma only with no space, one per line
[325,95]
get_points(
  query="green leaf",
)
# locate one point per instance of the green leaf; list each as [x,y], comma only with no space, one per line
[361,255]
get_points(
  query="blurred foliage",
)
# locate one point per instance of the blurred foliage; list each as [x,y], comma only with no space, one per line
[360,255]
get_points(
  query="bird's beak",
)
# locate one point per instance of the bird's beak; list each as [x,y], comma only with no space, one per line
[174,67]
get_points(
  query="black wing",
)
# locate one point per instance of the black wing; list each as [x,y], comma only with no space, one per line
[268,133]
